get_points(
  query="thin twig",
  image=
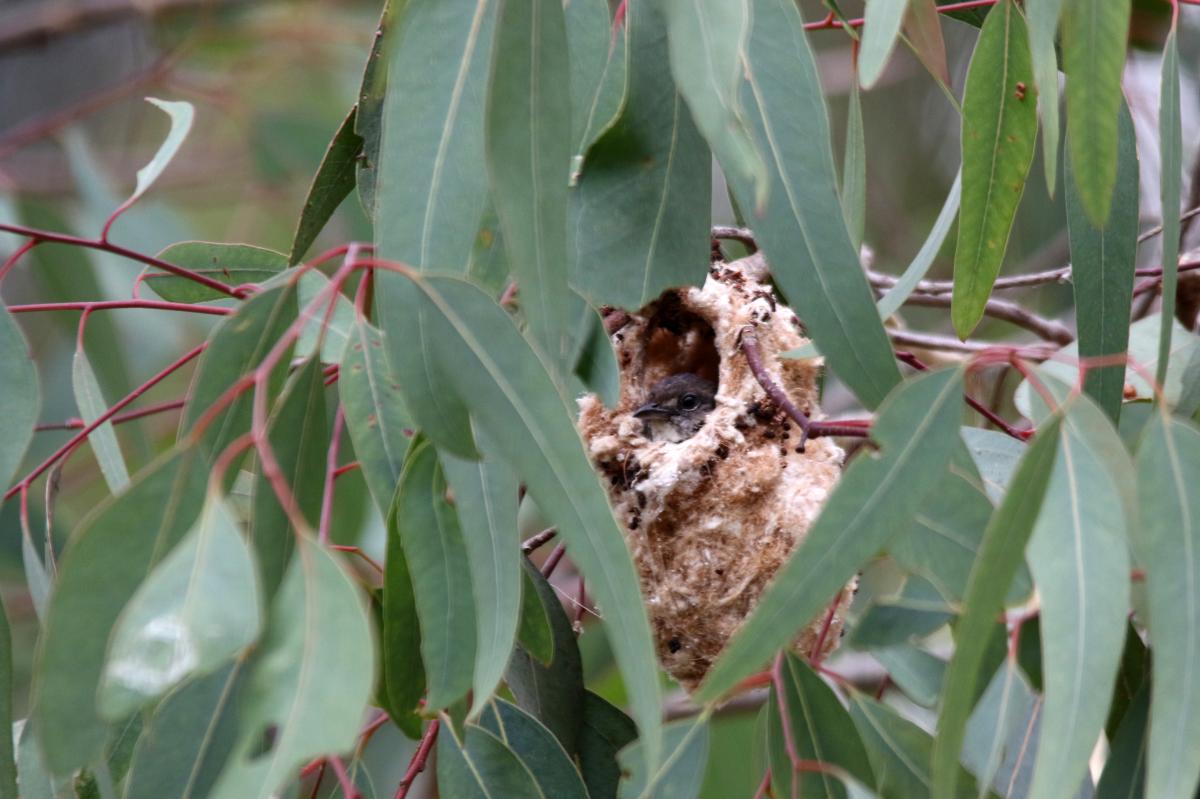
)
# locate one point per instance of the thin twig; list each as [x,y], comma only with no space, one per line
[417,764]
[75,423]
[983,410]
[1041,327]
[331,459]
[932,341]
[552,561]
[535,541]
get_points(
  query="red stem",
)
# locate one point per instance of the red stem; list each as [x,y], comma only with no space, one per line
[976,405]
[830,22]
[417,764]
[339,422]
[108,305]
[347,784]
[75,423]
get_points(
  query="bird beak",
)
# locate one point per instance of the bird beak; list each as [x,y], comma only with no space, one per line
[651,410]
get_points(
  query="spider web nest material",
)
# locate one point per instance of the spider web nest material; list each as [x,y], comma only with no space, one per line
[711,519]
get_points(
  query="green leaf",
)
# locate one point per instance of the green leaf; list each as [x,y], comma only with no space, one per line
[1094,34]
[998,138]
[1103,260]
[707,42]
[108,557]
[529,159]
[8,766]
[821,730]
[1124,775]
[887,621]
[481,767]
[488,267]
[914,671]
[188,738]
[485,496]
[372,92]
[877,495]
[231,264]
[309,683]
[1080,564]
[536,747]
[479,352]
[553,693]
[882,26]
[899,752]
[595,363]
[1170,144]
[431,179]
[181,114]
[641,206]
[890,303]
[604,733]
[236,347]
[854,171]
[597,66]
[299,438]
[18,393]
[1042,20]
[997,739]
[375,413]
[801,228]
[1000,555]
[198,608]
[685,744]
[33,778]
[334,180]
[104,438]
[1167,544]
[996,456]
[534,632]
[403,670]
[436,557]
[325,331]
[923,33]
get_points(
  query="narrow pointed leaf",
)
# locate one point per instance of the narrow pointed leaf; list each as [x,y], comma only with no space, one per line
[916,672]
[1000,555]
[536,747]
[481,766]
[876,497]
[605,732]
[231,264]
[1094,34]
[485,496]
[106,560]
[1103,261]
[641,206]
[310,681]
[998,138]
[8,766]
[854,171]
[1124,775]
[801,228]
[998,731]
[890,303]
[181,114]
[372,94]
[1167,544]
[333,182]
[197,609]
[879,37]
[103,439]
[403,670]
[1080,563]
[597,71]
[1170,143]
[1042,19]
[685,746]
[923,30]
[534,632]
[18,393]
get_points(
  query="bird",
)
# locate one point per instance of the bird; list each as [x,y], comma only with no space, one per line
[677,407]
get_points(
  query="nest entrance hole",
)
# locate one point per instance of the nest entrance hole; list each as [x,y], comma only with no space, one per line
[678,341]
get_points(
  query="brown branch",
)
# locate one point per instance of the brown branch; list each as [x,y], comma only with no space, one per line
[1043,328]
[533,542]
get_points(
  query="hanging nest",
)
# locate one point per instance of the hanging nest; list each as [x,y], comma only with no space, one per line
[710,519]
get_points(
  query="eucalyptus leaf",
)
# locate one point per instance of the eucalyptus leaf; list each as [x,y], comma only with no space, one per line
[181,114]
[403,669]
[880,31]
[329,323]
[334,181]
[8,766]
[231,264]
[104,438]
[1170,144]
[998,732]
[681,774]
[604,733]
[890,303]
[854,172]
[1042,19]
[481,766]
[19,394]
[535,746]
[597,64]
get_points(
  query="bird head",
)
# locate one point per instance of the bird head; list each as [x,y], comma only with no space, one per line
[677,406]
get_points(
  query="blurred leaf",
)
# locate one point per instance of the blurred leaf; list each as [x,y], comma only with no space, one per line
[998,138]
[18,393]
[821,730]
[488,266]
[887,621]
[104,438]
[485,497]
[236,347]
[890,303]
[914,671]
[1134,673]
[199,607]
[1094,34]
[181,114]
[597,64]
[641,206]
[299,438]
[529,158]
[1103,260]
[876,496]
[480,767]
[108,557]
[33,778]
[604,733]
[534,632]
[231,264]
[801,229]
[854,171]
[436,557]
[334,180]
[1167,544]
[685,746]
[375,413]
[1080,564]
[1000,555]
[1170,145]
[368,113]
[882,26]
[553,693]
[996,456]
[536,747]
[707,41]
[998,733]
[309,682]
[188,737]
[403,669]
[431,183]
[899,752]
[1042,19]
[8,766]
[478,350]
[1124,775]
[923,31]
[37,577]
[594,360]
[329,328]
[112,768]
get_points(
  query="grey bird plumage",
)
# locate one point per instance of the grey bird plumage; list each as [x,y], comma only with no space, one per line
[677,406]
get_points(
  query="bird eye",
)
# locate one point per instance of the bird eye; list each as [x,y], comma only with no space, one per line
[688,402]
